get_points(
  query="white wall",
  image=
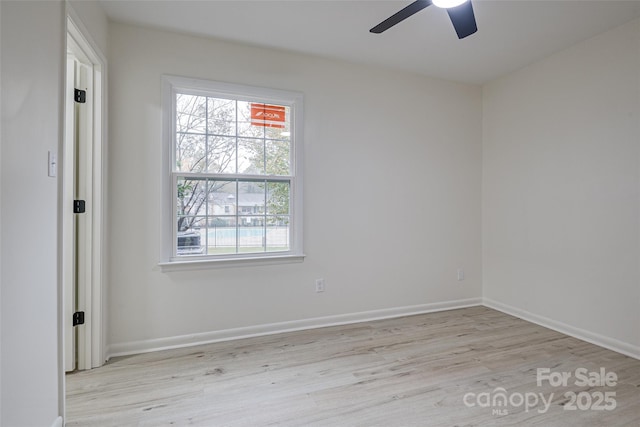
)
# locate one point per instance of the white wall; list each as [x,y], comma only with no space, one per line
[374,140]
[32,51]
[561,172]
[1,120]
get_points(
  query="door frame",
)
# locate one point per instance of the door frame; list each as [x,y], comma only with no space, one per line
[91,338]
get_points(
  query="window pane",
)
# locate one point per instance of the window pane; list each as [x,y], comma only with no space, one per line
[251,200]
[278,198]
[221,155]
[245,128]
[222,198]
[222,236]
[283,132]
[191,241]
[251,156]
[191,200]
[190,152]
[222,116]
[277,236]
[277,157]
[250,238]
[191,113]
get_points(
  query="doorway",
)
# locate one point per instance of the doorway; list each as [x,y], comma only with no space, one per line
[81,213]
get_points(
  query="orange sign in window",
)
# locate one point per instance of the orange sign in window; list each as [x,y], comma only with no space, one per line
[265,115]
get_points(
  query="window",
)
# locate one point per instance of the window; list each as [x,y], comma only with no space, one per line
[233,180]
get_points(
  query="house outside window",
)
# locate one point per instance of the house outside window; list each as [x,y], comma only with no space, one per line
[232,171]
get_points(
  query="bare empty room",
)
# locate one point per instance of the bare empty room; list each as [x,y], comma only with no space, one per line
[319,213]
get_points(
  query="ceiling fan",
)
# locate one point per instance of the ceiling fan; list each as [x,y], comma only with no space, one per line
[460,12]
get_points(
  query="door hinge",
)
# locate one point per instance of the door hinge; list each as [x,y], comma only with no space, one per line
[78,206]
[78,318]
[80,96]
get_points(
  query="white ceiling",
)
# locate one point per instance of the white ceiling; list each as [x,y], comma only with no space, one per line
[511,33]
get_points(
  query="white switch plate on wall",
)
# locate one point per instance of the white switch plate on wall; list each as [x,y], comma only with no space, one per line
[53,164]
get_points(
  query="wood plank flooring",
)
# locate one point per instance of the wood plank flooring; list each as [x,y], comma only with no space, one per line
[410,371]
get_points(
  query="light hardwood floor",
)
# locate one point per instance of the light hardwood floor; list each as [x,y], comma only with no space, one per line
[410,371]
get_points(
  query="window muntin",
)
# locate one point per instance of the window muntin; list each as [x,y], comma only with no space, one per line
[233,178]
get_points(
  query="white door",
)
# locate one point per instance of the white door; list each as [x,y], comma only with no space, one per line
[77,226]
[82,179]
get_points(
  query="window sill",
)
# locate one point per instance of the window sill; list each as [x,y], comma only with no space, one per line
[205,264]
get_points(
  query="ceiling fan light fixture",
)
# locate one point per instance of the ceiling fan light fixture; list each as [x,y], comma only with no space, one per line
[447,4]
[460,13]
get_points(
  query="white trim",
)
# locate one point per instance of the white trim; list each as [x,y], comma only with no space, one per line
[58,422]
[85,180]
[85,34]
[65,226]
[59,325]
[146,346]
[181,341]
[581,334]
[203,264]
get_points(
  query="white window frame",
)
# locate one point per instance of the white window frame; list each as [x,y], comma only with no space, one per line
[171,85]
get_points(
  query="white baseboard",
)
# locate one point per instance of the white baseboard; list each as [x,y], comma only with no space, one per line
[591,337]
[145,346]
[58,422]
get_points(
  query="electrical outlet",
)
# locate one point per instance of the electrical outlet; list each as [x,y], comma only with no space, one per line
[319,285]
[460,275]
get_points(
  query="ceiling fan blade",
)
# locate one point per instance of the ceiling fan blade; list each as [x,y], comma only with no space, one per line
[413,8]
[463,19]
